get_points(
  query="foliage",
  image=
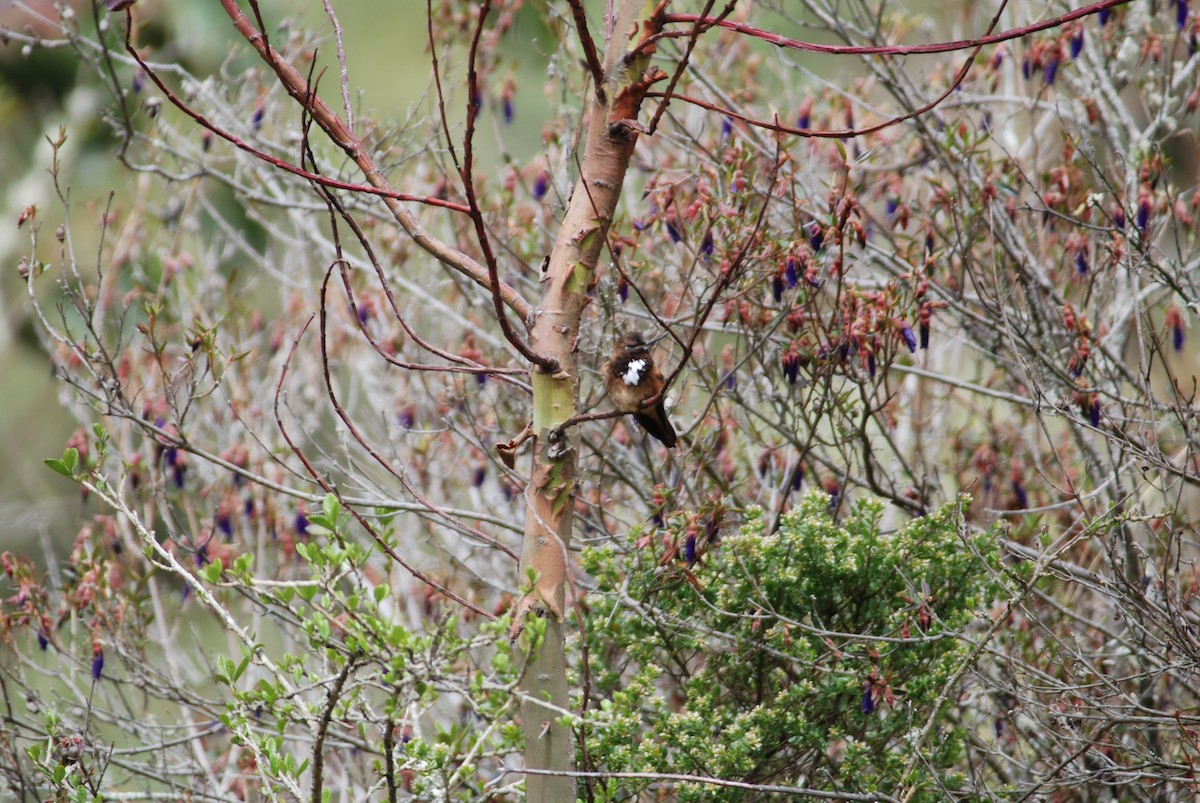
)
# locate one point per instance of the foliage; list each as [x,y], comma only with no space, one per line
[322,553]
[810,654]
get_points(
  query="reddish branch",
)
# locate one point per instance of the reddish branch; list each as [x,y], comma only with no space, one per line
[589,48]
[893,50]
[325,484]
[274,161]
[296,85]
[548,364]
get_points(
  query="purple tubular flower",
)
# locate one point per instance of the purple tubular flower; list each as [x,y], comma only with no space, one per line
[777,288]
[509,112]
[1105,13]
[301,523]
[1119,218]
[1051,70]
[790,272]
[868,701]
[910,339]
[707,247]
[1177,336]
[1081,263]
[43,639]
[1094,412]
[97,664]
[726,127]
[540,185]
[797,476]
[816,236]
[791,367]
[623,290]
[1027,67]
[689,548]
[673,231]
[1181,13]
[1022,496]
[480,476]
[924,330]
[225,524]
[1077,44]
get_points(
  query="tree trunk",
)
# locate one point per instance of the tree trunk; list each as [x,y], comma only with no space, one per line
[550,498]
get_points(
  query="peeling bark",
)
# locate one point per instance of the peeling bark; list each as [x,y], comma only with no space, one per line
[550,498]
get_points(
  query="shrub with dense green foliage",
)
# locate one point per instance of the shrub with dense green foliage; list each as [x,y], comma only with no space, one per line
[808,655]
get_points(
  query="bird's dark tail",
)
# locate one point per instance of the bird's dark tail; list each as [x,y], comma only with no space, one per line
[655,422]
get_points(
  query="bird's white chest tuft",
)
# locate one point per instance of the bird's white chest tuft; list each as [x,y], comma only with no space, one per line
[634,372]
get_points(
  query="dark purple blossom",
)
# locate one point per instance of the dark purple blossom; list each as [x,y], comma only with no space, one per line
[1027,67]
[707,246]
[97,662]
[910,339]
[480,475]
[301,523]
[622,289]
[868,700]
[1094,412]
[777,288]
[790,272]
[673,231]
[225,524]
[1020,494]
[791,366]
[1119,218]
[540,185]
[43,638]
[726,127]
[1181,13]
[689,548]
[924,332]
[816,236]
[1051,70]
[406,417]
[1105,13]
[509,111]
[1077,43]
[1143,216]
[1081,263]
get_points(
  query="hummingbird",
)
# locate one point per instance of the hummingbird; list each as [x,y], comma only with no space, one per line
[631,378]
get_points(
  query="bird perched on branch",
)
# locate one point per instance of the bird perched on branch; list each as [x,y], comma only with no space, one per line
[631,378]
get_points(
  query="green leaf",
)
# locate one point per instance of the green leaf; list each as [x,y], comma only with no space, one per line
[67,465]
